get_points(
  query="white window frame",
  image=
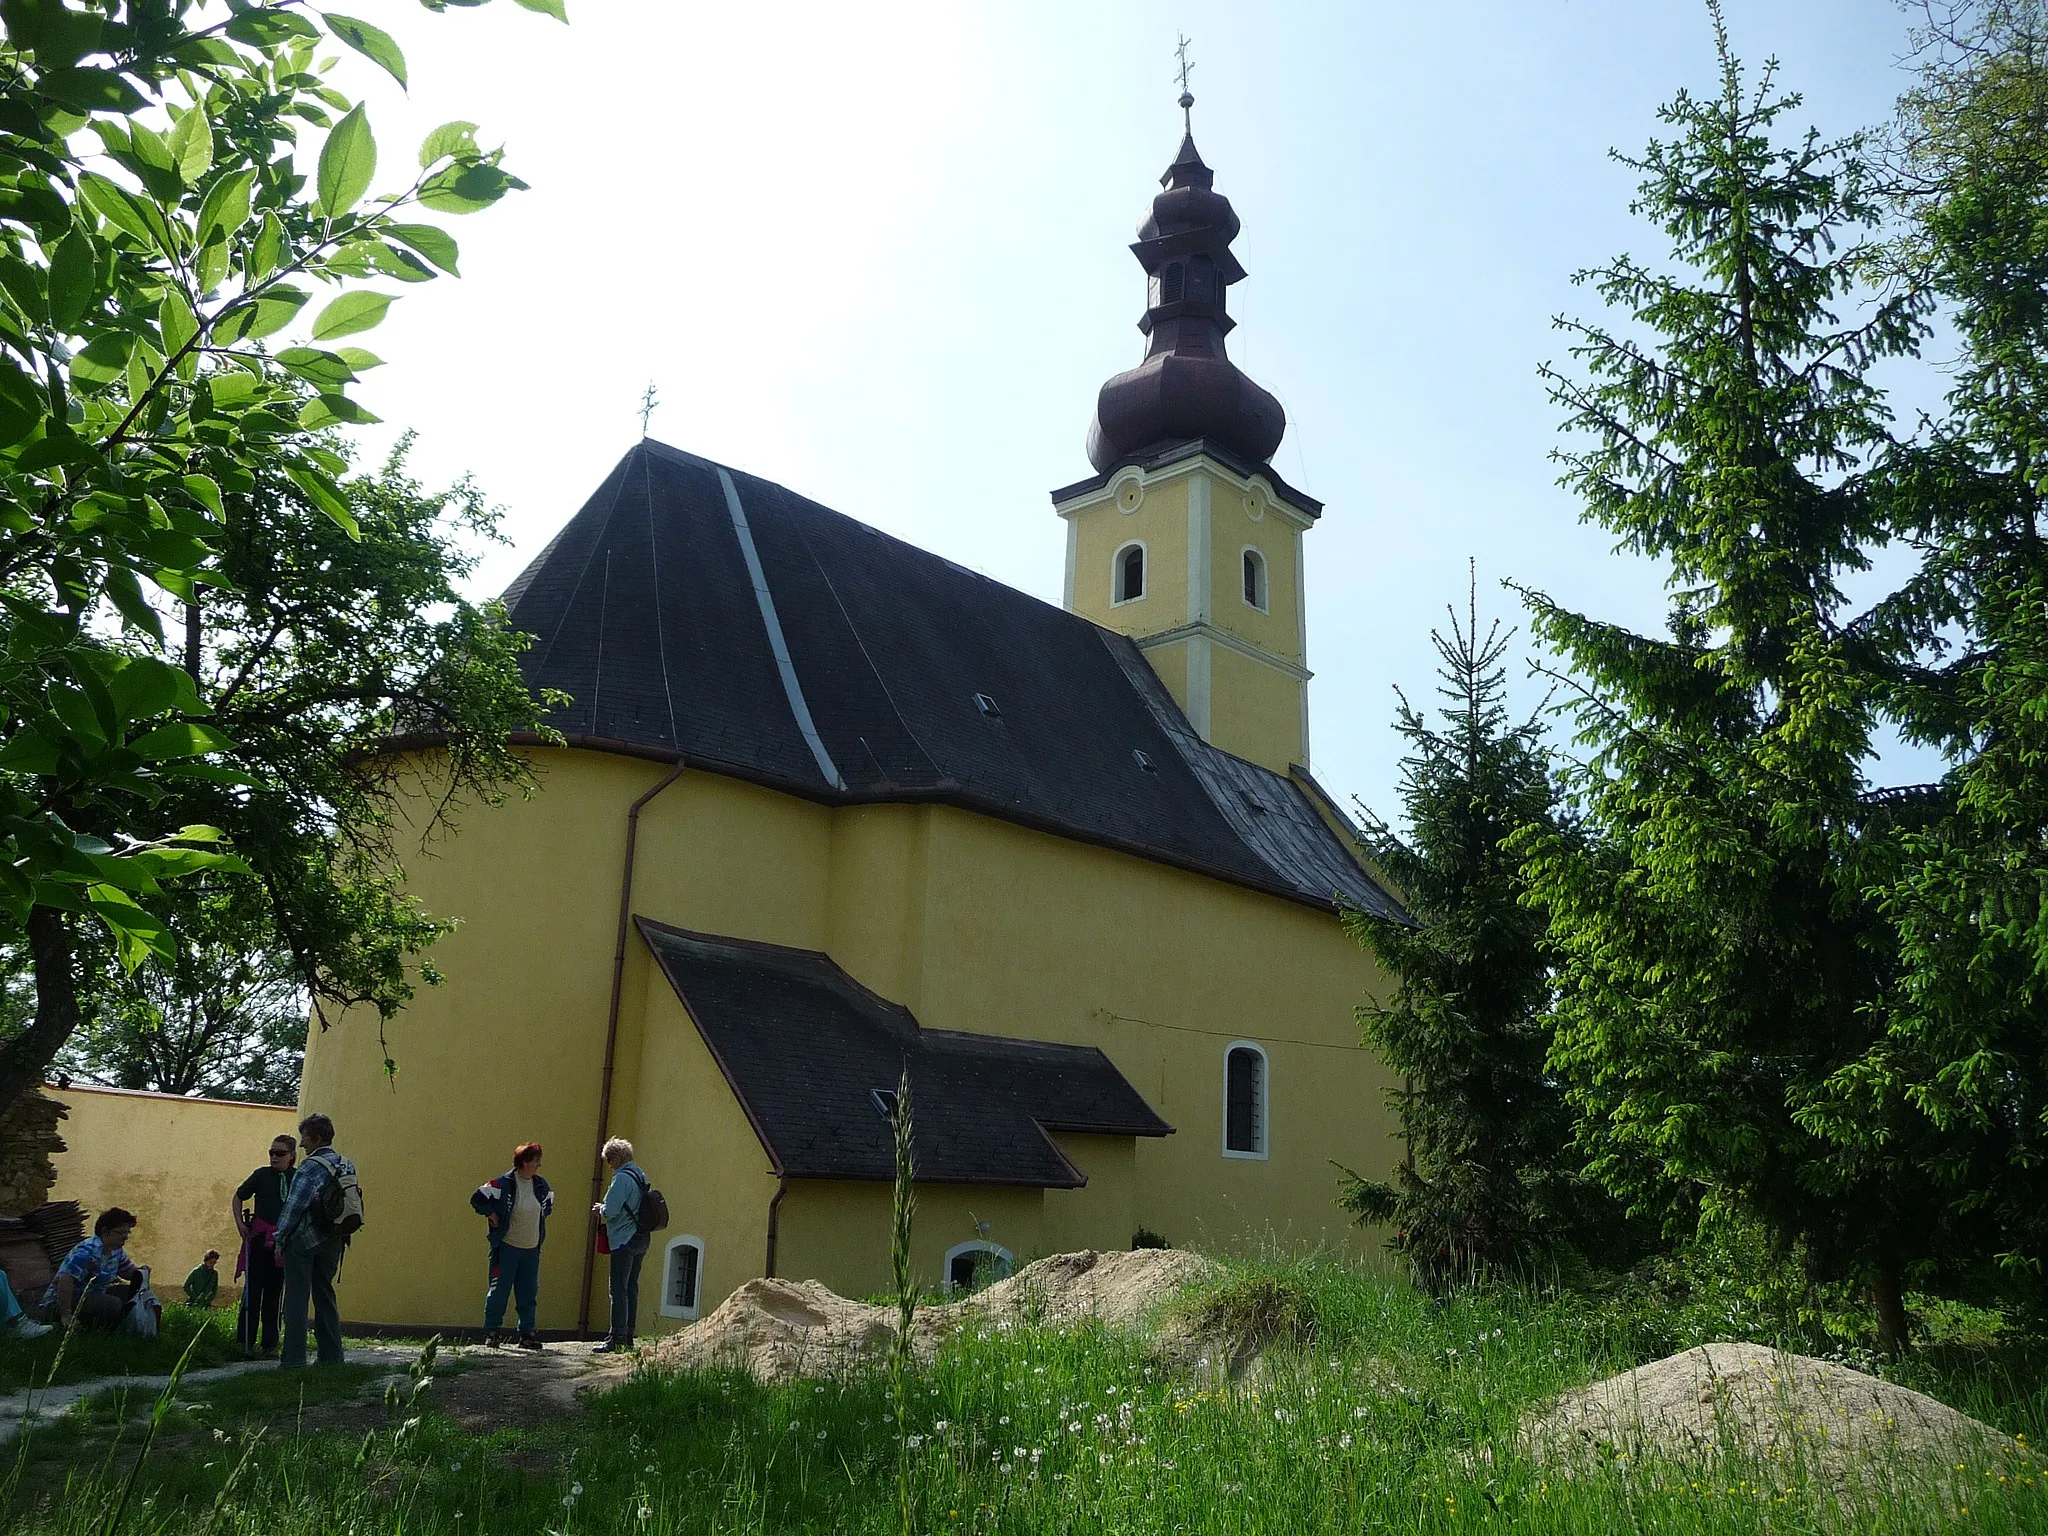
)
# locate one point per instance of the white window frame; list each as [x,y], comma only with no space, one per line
[690,1313]
[976,1245]
[1116,562]
[1265,578]
[1262,1120]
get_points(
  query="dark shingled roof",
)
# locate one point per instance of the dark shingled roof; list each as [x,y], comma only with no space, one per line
[806,1047]
[652,609]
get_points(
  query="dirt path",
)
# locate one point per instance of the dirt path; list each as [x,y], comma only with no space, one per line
[489,1388]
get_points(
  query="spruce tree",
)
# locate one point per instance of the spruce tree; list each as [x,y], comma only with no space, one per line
[1720,958]
[1484,1187]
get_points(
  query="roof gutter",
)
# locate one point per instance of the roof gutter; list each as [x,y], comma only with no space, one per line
[611,1036]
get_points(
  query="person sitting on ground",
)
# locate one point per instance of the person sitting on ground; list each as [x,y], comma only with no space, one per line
[97,1282]
[517,1204]
[12,1318]
[203,1284]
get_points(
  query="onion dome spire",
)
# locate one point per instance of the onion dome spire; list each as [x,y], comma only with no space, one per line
[1187,387]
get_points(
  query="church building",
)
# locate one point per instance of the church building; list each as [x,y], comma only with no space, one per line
[828,808]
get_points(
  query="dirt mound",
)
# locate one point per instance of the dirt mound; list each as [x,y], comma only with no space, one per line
[1783,1409]
[1119,1289]
[778,1330]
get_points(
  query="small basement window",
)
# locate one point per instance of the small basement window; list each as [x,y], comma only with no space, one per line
[682,1278]
[1127,580]
[971,1266]
[1255,579]
[1244,1100]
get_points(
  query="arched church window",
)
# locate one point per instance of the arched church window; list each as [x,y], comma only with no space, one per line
[1128,580]
[1255,579]
[682,1278]
[1173,284]
[971,1266]
[1244,1100]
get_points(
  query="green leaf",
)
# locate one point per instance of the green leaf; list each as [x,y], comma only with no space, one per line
[327,370]
[348,160]
[552,8]
[358,359]
[359,310]
[457,139]
[257,318]
[431,241]
[125,592]
[264,28]
[266,251]
[22,403]
[91,90]
[191,145]
[175,319]
[29,751]
[325,495]
[371,42]
[225,208]
[205,490]
[147,687]
[103,361]
[179,738]
[467,188]
[125,211]
[74,272]
[333,410]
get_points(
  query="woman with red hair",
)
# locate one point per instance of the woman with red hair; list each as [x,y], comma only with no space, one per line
[517,1203]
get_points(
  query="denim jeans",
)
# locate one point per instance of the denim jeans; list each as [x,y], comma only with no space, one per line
[515,1272]
[626,1289]
[309,1270]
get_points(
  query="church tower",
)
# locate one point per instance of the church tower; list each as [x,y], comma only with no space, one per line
[1185,539]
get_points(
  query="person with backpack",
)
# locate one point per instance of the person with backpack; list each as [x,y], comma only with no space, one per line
[322,1211]
[631,1212]
[517,1204]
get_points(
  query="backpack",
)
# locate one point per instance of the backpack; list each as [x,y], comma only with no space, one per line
[340,1211]
[653,1213]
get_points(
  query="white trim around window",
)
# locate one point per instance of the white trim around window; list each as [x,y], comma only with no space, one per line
[1004,1260]
[682,1278]
[1116,573]
[1254,553]
[1258,1141]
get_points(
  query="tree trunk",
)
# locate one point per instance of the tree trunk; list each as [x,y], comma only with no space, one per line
[1889,1295]
[24,1059]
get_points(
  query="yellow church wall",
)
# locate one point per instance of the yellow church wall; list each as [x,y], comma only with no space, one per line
[1104,1215]
[839,1231]
[697,1145]
[174,1162]
[1276,628]
[1255,710]
[1170,661]
[1034,935]
[1161,524]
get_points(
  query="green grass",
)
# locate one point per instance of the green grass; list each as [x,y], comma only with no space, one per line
[88,1353]
[1395,1414]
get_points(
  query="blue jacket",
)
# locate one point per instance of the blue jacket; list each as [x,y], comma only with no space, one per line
[495,1198]
[622,1199]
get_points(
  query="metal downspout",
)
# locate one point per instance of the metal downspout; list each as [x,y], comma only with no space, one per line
[611,1038]
[774,1221]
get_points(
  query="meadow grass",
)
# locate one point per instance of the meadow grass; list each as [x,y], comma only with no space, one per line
[88,1354]
[1392,1413]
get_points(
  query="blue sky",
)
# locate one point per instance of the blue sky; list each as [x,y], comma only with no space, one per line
[879,254]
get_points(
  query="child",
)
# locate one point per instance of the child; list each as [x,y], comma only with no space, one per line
[204,1281]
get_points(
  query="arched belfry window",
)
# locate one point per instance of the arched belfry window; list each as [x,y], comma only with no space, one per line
[1173,284]
[1244,1100]
[1127,582]
[1255,579]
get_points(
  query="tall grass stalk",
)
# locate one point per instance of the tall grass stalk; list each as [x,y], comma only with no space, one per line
[902,1209]
[156,1418]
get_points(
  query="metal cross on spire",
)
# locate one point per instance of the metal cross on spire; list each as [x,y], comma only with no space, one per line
[1187,100]
[648,401]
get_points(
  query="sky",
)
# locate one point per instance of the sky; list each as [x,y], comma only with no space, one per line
[880,254]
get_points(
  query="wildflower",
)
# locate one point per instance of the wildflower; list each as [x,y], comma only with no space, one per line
[1004,1419]
[646,1512]
[1074,1428]
[1344,1441]
[915,1441]
[821,1434]
[650,1466]
[942,1426]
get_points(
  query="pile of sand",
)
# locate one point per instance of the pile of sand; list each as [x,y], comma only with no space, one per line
[779,1330]
[1777,1409]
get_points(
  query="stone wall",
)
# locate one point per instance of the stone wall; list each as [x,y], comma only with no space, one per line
[29,1143]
